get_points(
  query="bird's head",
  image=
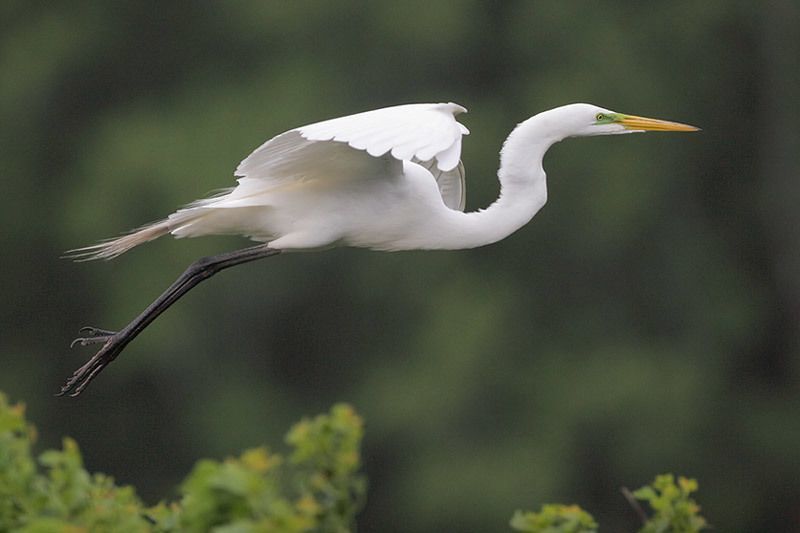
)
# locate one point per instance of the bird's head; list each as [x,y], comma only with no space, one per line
[583,120]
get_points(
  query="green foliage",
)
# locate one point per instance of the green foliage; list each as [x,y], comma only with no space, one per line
[316,489]
[65,497]
[674,510]
[555,518]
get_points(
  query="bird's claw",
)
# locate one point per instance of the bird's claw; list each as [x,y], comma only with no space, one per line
[86,341]
[81,378]
[112,345]
[85,374]
[94,332]
[93,336]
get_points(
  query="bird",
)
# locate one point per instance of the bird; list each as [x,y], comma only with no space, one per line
[389,179]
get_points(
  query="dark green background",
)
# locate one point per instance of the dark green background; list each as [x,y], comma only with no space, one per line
[646,321]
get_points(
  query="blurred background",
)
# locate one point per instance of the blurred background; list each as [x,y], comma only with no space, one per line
[646,321]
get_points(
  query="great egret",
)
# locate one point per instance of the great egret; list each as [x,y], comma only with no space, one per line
[388,179]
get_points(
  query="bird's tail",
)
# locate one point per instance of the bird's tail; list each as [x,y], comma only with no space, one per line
[111,248]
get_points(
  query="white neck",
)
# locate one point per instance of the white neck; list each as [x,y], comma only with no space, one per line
[523,187]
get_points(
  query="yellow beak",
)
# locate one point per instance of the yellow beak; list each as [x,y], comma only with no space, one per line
[632,122]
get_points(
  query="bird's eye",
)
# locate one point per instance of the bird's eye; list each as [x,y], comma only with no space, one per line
[600,116]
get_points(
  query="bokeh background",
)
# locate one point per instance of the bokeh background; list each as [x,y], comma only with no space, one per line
[645,322]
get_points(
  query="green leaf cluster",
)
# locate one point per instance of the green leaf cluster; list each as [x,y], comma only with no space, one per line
[673,508]
[317,488]
[555,518]
[63,498]
[674,511]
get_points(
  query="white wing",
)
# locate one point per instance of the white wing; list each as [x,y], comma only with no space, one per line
[369,143]
[452,184]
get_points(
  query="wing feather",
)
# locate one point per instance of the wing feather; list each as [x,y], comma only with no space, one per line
[452,184]
[425,132]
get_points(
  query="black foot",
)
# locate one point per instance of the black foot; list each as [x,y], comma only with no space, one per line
[113,343]
[93,336]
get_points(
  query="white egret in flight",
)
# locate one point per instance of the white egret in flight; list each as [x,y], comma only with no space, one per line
[389,179]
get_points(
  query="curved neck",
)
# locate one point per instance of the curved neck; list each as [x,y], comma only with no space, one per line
[524,149]
[523,186]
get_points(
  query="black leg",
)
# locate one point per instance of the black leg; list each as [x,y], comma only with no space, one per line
[115,342]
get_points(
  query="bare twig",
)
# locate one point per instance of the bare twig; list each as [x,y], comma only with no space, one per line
[634,503]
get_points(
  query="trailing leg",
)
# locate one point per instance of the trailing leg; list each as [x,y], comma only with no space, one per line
[115,342]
